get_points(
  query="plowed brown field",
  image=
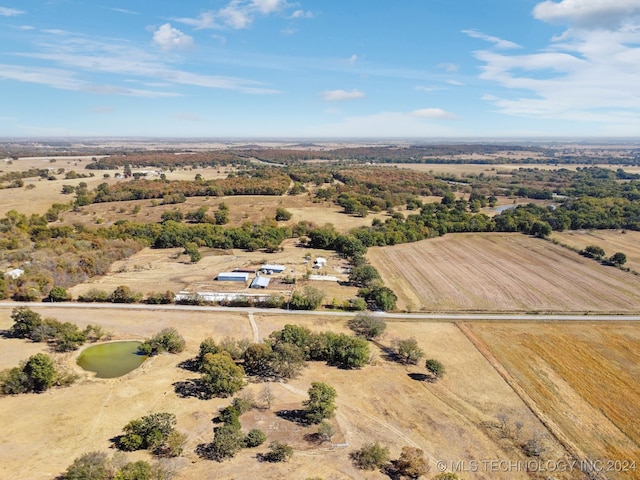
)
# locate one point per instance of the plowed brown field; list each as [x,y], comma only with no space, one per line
[501,272]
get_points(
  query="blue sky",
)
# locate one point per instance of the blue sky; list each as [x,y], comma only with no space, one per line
[311,68]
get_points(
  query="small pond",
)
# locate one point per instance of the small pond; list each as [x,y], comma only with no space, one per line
[110,360]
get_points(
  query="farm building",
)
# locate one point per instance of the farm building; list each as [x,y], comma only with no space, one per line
[268,268]
[233,277]
[319,262]
[260,282]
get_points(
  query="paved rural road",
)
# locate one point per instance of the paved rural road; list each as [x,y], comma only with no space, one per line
[450,317]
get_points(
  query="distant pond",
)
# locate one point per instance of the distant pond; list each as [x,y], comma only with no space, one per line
[111,360]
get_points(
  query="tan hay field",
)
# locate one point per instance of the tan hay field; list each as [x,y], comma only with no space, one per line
[585,376]
[611,241]
[501,272]
[451,420]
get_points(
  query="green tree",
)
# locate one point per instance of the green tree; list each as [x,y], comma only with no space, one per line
[89,466]
[278,452]
[371,456]
[254,438]
[367,326]
[435,368]
[618,259]
[166,340]
[310,299]
[593,251]
[192,250]
[257,360]
[227,442]
[59,294]
[408,350]
[139,470]
[364,275]
[321,403]
[220,375]
[282,214]
[124,294]
[412,463]
[41,372]
[25,321]
[148,433]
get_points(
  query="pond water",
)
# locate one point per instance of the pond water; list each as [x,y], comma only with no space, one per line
[111,360]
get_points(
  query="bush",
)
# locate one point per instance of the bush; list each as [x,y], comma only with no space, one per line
[435,368]
[167,340]
[59,294]
[37,374]
[254,438]
[367,326]
[124,294]
[278,452]
[93,296]
[150,432]
[321,403]
[371,456]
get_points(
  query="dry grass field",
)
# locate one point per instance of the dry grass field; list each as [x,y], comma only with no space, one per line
[611,241]
[501,272]
[155,271]
[452,420]
[584,376]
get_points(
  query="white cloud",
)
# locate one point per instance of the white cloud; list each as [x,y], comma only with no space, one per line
[102,110]
[448,67]
[111,56]
[353,59]
[339,95]
[435,113]
[10,12]
[169,38]
[239,14]
[124,10]
[428,88]
[457,83]
[587,13]
[588,74]
[301,14]
[498,42]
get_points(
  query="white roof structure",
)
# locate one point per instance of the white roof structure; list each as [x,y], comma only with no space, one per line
[233,276]
[15,273]
[272,268]
[260,282]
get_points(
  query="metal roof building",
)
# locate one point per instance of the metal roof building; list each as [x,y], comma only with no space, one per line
[233,277]
[269,268]
[260,282]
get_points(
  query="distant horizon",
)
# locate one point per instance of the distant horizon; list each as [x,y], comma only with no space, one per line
[345,71]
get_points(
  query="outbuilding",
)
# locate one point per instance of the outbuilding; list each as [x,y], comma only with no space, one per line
[319,262]
[269,268]
[260,282]
[233,277]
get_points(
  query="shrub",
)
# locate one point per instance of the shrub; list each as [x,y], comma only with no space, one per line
[167,340]
[278,452]
[435,368]
[371,456]
[254,438]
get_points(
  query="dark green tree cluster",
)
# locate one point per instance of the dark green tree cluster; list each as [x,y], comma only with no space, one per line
[167,340]
[228,438]
[35,375]
[156,433]
[321,403]
[62,337]
[367,326]
[98,466]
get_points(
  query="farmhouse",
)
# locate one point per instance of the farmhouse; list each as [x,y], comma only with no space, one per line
[260,282]
[233,277]
[269,268]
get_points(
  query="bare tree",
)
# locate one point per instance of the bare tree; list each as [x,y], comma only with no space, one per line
[267,395]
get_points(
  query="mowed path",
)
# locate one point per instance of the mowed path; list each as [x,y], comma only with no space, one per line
[501,273]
